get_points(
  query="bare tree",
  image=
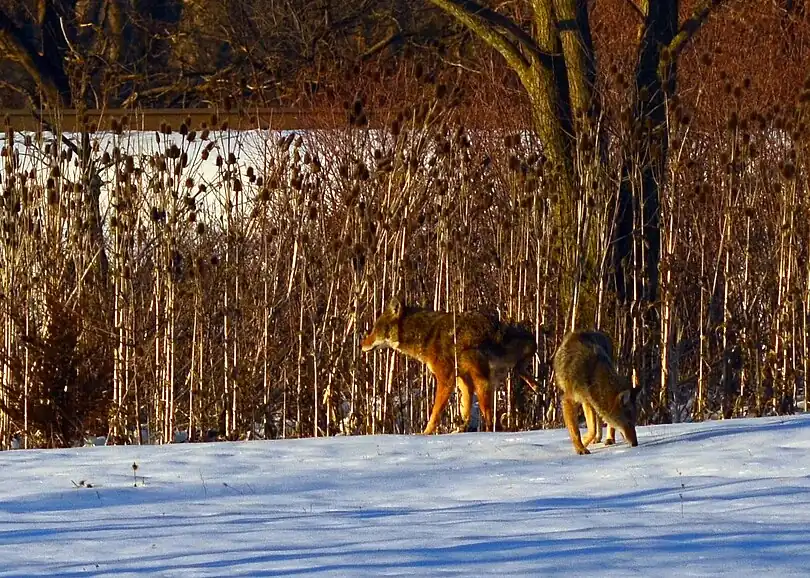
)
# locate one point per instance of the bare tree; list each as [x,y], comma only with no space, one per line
[548,45]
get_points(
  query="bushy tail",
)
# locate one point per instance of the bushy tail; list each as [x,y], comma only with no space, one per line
[513,348]
[530,381]
[513,344]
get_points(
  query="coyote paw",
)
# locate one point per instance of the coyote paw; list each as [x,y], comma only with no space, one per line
[610,441]
[583,451]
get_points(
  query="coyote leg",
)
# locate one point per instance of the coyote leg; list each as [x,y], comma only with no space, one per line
[443,390]
[484,393]
[466,404]
[594,425]
[477,375]
[611,435]
[598,422]
[570,414]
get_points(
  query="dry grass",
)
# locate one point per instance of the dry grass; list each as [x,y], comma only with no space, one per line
[219,281]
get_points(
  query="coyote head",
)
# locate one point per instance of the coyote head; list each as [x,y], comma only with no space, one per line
[385,332]
[628,413]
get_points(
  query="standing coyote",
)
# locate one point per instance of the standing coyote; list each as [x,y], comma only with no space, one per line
[583,368]
[476,350]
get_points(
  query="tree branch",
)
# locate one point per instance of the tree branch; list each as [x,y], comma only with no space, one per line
[382,45]
[577,45]
[638,9]
[691,27]
[498,31]
[51,81]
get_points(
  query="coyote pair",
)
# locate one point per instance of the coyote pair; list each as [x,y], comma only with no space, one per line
[469,348]
[477,352]
[584,371]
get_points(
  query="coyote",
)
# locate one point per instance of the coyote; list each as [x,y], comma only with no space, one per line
[476,350]
[583,369]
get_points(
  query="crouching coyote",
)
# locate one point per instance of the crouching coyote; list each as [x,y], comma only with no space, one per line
[469,348]
[584,371]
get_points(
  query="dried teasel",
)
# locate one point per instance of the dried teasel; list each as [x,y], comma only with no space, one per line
[360,172]
[788,170]
[704,192]
[733,121]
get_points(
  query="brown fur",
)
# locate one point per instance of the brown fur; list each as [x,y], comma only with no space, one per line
[484,352]
[584,371]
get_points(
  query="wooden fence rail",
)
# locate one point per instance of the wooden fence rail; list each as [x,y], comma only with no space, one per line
[70,120]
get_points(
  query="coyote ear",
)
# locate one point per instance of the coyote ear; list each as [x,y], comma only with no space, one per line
[627,396]
[394,307]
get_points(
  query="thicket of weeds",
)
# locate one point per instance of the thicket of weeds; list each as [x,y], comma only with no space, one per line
[217,280]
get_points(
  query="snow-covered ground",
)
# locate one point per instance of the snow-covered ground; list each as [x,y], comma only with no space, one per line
[707,499]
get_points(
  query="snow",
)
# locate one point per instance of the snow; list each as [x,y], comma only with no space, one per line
[713,498]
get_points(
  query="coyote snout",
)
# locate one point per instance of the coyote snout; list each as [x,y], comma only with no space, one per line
[470,348]
[584,371]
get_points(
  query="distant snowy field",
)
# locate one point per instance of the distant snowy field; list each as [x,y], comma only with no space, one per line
[706,499]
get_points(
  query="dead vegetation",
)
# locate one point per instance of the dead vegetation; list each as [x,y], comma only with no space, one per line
[217,281]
